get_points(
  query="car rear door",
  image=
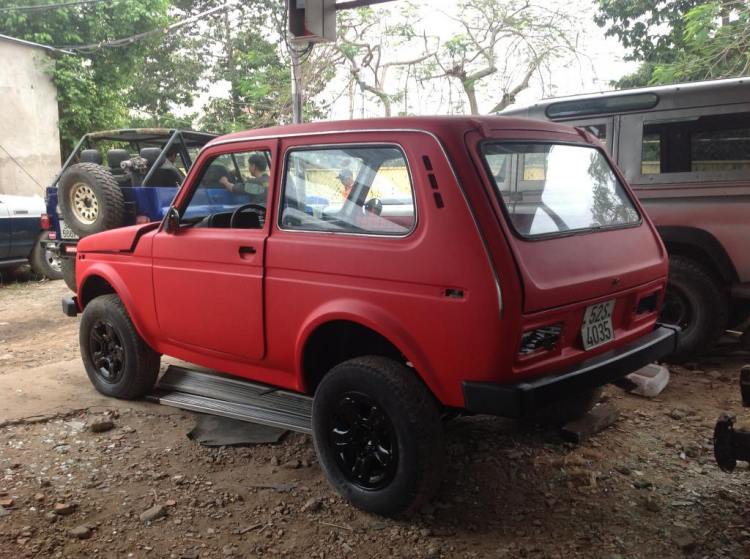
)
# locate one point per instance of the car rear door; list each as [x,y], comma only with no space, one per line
[208,276]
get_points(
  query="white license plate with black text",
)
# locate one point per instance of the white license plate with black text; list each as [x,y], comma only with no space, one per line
[597,325]
[66,232]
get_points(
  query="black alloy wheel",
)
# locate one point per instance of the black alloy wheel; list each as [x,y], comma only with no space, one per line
[107,352]
[364,441]
[119,363]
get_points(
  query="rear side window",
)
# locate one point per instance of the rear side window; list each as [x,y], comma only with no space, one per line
[353,189]
[553,189]
[698,144]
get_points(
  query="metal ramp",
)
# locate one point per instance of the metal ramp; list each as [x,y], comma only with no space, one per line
[219,394]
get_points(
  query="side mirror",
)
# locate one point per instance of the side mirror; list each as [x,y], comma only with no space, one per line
[373,206]
[172,221]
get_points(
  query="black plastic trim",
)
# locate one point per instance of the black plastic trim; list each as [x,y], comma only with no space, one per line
[521,398]
[70,306]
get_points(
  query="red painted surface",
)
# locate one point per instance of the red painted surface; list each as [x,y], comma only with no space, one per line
[192,294]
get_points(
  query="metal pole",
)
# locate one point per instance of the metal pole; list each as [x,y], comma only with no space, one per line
[296,89]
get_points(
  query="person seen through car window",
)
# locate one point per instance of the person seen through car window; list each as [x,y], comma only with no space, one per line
[347,180]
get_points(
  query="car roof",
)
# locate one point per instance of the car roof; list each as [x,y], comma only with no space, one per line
[440,126]
[152,136]
[673,96]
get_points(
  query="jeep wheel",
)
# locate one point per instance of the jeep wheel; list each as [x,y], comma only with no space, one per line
[117,360]
[68,270]
[90,199]
[567,409]
[377,435]
[43,261]
[694,302]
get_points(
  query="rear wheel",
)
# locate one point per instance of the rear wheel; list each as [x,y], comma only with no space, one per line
[45,262]
[118,361]
[90,199]
[377,435]
[695,302]
[68,271]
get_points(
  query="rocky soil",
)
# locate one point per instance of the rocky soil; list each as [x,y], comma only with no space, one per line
[138,487]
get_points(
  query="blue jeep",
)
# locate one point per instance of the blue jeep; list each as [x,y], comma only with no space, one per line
[23,237]
[143,171]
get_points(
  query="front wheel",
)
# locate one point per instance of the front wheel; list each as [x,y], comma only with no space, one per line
[118,361]
[377,434]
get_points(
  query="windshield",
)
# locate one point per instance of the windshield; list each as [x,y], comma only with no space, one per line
[552,189]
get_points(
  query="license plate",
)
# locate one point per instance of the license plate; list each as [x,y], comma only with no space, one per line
[66,232]
[597,328]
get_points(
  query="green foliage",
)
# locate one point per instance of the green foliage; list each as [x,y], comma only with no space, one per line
[680,40]
[98,88]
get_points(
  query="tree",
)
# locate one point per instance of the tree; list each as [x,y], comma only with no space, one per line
[372,46]
[680,40]
[502,45]
[98,86]
[253,59]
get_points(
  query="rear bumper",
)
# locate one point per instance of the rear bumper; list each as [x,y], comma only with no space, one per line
[70,306]
[521,398]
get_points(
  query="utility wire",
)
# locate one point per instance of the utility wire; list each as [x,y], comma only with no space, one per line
[164,30]
[21,166]
[45,7]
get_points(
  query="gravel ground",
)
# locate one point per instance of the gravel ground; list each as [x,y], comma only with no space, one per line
[646,487]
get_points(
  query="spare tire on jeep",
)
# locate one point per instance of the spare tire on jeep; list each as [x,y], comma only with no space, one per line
[90,199]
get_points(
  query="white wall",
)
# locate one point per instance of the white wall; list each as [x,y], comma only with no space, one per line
[28,120]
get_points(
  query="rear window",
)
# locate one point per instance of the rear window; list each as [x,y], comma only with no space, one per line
[552,189]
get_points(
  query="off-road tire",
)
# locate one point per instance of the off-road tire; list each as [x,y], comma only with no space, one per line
[693,284]
[110,202]
[413,415]
[68,271]
[141,363]
[567,409]
[40,263]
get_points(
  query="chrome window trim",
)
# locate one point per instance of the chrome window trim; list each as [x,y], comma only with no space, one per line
[285,169]
[390,130]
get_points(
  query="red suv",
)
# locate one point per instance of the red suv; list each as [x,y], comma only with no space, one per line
[391,271]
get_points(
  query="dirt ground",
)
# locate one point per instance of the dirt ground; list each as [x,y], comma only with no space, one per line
[646,487]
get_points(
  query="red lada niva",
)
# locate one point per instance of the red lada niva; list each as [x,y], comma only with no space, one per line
[391,272]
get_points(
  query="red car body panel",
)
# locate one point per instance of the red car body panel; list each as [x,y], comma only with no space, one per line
[194,295]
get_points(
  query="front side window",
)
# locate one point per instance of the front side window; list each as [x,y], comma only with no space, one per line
[226,183]
[357,189]
[550,189]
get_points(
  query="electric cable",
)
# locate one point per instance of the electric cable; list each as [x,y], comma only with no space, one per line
[21,167]
[163,30]
[45,7]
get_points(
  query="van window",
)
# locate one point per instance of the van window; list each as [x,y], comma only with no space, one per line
[357,189]
[699,144]
[550,189]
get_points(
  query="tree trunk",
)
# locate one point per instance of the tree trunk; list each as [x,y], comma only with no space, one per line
[471,93]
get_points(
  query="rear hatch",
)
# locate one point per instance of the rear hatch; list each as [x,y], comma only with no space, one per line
[575,229]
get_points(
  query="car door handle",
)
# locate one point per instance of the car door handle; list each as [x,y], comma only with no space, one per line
[247,250]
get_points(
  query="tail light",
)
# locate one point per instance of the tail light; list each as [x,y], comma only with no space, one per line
[541,338]
[141,219]
[70,249]
[44,221]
